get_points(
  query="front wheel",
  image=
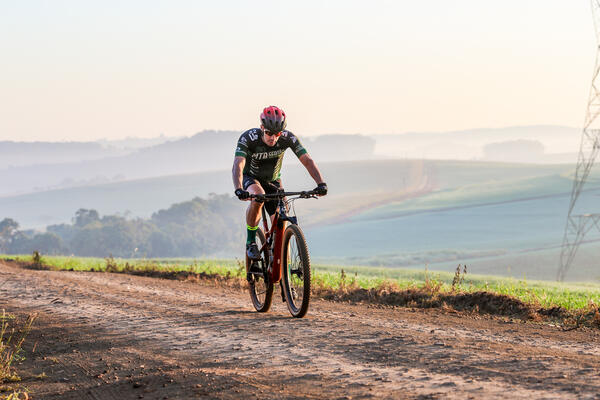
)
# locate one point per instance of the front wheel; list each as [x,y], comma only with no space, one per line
[261,287]
[296,278]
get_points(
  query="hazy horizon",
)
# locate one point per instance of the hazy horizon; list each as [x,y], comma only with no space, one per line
[302,134]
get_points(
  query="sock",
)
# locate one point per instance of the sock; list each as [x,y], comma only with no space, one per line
[251,234]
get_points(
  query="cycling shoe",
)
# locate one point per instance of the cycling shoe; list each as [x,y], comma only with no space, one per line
[252,251]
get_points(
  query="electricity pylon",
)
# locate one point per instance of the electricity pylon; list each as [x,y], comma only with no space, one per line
[579,225]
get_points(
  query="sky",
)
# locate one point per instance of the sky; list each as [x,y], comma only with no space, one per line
[75,70]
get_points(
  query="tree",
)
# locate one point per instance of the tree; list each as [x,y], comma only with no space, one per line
[45,243]
[9,228]
[84,216]
[194,228]
[65,231]
[161,245]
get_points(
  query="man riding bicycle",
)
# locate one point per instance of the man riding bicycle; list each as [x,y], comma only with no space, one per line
[257,167]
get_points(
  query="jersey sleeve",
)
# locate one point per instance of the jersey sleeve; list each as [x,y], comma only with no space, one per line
[242,147]
[295,145]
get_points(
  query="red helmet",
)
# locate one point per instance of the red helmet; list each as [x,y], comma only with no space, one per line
[273,119]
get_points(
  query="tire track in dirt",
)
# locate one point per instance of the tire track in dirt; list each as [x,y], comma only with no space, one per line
[339,350]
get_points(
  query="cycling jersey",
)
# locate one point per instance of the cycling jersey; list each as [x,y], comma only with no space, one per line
[264,162]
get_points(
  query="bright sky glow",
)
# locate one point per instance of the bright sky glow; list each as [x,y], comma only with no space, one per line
[83,70]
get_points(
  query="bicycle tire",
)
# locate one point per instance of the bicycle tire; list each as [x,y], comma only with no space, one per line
[296,277]
[261,291]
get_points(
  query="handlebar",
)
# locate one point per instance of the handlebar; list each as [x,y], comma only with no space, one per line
[280,195]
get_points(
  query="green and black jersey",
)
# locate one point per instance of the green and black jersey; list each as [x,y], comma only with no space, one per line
[264,162]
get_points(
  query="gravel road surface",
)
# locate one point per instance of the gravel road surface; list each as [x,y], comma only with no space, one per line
[115,336]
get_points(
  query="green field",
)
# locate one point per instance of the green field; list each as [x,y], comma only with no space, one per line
[571,296]
[499,218]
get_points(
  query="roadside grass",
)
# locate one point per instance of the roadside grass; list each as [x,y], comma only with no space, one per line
[572,304]
[217,267]
[571,296]
[12,337]
[543,294]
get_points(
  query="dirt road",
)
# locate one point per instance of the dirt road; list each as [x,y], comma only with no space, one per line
[112,336]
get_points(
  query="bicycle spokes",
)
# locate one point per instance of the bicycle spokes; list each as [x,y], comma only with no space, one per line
[295,277]
[261,287]
[297,271]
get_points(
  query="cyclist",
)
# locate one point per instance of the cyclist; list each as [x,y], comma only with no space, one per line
[257,166]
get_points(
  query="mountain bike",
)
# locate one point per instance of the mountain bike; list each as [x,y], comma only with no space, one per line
[283,252]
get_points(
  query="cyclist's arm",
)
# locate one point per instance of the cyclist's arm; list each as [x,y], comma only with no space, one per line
[238,167]
[311,167]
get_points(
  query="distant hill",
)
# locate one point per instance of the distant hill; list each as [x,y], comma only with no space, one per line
[142,197]
[135,143]
[18,154]
[353,184]
[205,151]
[48,166]
[469,144]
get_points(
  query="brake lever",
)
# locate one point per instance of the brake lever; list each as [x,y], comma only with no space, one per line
[308,195]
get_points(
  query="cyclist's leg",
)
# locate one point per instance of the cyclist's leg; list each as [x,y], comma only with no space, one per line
[253,214]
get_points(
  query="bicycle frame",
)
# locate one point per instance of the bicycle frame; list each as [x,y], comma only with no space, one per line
[276,231]
[269,269]
[278,225]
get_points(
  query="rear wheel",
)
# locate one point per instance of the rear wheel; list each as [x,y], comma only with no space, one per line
[261,289]
[296,278]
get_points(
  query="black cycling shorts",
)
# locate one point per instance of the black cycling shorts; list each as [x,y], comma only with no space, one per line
[268,187]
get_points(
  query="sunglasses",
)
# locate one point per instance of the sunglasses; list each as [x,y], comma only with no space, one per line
[269,133]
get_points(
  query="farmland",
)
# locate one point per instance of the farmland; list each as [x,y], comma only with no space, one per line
[501,219]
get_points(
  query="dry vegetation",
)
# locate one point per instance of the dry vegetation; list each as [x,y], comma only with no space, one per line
[433,293]
[12,337]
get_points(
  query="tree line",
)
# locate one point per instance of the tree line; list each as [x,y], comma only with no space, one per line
[195,228]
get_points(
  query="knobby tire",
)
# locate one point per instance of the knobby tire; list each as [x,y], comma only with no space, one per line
[260,292]
[296,274]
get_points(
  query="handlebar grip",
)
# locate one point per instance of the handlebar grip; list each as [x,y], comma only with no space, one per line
[280,195]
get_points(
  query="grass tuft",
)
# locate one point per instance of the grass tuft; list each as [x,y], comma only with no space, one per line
[12,337]
[111,265]
[17,394]
[37,259]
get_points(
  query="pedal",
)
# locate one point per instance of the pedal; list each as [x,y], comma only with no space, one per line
[255,269]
